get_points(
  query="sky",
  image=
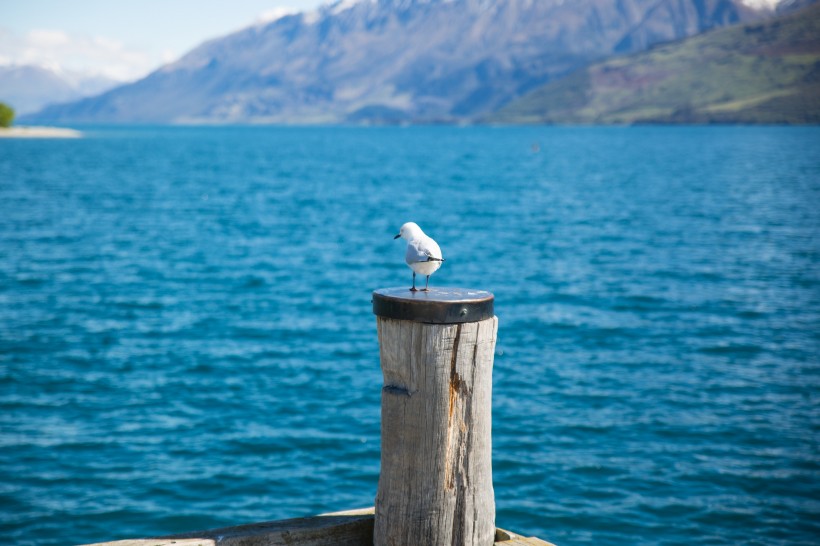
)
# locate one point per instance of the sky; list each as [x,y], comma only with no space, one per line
[122,39]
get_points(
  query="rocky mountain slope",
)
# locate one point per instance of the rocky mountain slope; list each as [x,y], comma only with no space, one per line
[766,72]
[390,61]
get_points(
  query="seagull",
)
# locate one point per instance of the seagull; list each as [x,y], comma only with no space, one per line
[423,255]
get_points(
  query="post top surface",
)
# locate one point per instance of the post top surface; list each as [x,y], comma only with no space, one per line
[436,306]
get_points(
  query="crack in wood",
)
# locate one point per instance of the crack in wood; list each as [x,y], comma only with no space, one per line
[395,389]
[455,380]
[455,383]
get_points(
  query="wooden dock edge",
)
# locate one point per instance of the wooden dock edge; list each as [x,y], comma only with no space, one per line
[349,528]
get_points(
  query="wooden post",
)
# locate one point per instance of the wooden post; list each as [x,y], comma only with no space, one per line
[436,350]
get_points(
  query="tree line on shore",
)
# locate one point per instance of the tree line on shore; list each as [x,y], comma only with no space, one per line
[6,115]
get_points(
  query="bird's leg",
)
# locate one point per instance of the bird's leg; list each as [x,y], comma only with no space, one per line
[414,289]
[427,284]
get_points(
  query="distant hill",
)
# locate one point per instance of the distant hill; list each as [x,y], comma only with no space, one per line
[394,61]
[28,88]
[757,73]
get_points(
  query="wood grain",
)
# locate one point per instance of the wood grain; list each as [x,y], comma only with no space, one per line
[435,485]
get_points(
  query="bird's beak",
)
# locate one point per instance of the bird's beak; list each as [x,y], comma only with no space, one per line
[397,236]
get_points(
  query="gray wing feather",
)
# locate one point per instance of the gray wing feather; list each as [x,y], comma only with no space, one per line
[422,250]
[414,253]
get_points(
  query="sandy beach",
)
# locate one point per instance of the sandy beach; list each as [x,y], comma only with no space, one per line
[39,132]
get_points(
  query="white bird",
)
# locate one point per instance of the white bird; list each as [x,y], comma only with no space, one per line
[423,255]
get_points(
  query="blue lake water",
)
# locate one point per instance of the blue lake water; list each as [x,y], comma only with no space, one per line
[186,336]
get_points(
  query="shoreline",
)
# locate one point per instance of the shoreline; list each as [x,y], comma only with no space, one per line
[39,132]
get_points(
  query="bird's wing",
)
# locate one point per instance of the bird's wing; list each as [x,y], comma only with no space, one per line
[422,250]
[414,254]
[430,247]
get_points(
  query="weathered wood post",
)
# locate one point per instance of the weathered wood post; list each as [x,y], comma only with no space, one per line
[436,350]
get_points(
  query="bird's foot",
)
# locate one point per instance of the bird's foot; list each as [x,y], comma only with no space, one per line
[425,289]
[414,289]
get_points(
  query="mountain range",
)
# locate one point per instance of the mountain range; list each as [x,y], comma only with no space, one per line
[766,72]
[396,61]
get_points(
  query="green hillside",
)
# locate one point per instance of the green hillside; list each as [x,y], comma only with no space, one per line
[759,73]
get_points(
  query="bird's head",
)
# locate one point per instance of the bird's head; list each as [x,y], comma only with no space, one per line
[409,231]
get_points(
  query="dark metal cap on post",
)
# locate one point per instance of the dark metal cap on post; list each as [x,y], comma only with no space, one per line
[436,306]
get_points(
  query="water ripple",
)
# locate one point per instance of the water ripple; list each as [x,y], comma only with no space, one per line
[186,338]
